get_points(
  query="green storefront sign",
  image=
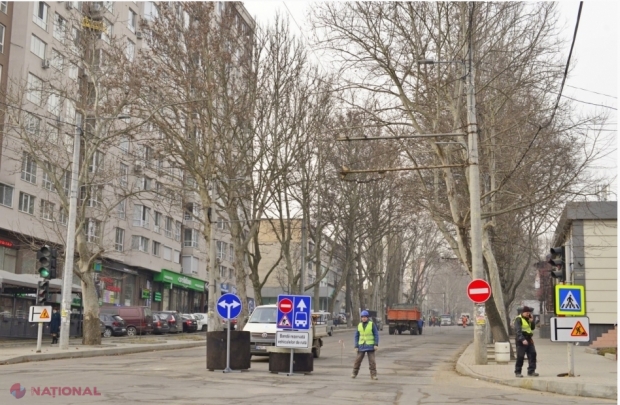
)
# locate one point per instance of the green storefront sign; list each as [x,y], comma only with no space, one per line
[157,297]
[146,294]
[180,280]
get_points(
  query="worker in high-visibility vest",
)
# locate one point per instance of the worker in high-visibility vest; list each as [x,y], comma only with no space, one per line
[366,341]
[524,326]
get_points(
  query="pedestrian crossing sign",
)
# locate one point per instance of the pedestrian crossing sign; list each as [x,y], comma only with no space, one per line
[570,300]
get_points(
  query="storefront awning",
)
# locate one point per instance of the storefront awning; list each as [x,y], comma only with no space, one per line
[179,280]
[11,281]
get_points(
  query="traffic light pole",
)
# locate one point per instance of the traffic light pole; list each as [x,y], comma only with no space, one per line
[67,275]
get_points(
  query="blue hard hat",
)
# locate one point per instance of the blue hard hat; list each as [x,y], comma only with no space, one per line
[364,313]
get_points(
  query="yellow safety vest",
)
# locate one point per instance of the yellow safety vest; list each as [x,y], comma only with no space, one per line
[366,335]
[525,326]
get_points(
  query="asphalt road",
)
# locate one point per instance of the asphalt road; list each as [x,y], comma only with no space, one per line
[411,369]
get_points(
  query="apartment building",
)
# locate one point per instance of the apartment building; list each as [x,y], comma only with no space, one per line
[154,252]
[277,283]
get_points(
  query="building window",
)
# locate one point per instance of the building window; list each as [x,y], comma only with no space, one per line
[121,209]
[6,195]
[62,216]
[191,238]
[167,253]
[156,248]
[141,216]
[168,227]
[231,274]
[145,183]
[176,256]
[54,105]
[158,220]
[2,30]
[60,28]
[223,272]
[40,14]
[92,230]
[47,210]
[73,73]
[35,87]
[93,195]
[130,50]
[150,11]
[123,175]
[119,240]
[107,33]
[140,243]
[177,231]
[231,253]
[26,203]
[57,61]
[96,162]
[4,6]
[29,169]
[66,182]
[48,181]
[220,249]
[109,5]
[132,20]
[124,145]
[32,125]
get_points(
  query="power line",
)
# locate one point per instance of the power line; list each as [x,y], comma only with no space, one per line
[590,91]
[302,34]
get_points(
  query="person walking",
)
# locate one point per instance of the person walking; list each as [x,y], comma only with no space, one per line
[524,325]
[366,341]
[464,321]
[55,325]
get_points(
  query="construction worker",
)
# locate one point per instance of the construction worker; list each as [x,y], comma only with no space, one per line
[524,326]
[366,341]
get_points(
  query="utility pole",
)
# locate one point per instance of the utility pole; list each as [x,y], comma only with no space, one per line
[212,324]
[304,242]
[480,349]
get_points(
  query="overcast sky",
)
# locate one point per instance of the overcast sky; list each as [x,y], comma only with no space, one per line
[594,60]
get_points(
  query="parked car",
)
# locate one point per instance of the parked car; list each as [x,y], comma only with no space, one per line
[101,327]
[189,323]
[446,320]
[174,320]
[378,323]
[137,319]
[160,324]
[233,323]
[201,320]
[114,325]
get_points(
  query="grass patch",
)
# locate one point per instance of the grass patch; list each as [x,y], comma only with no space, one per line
[612,350]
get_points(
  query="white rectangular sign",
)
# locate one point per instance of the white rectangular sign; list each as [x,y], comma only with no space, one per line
[40,314]
[293,340]
[570,329]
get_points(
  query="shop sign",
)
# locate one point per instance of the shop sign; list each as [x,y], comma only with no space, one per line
[6,243]
[146,294]
[157,297]
[77,302]
[97,266]
[113,288]
[181,280]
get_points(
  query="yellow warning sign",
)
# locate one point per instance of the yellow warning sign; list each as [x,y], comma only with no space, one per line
[44,314]
[579,330]
[284,321]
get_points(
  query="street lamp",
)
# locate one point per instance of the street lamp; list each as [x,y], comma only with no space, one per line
[474,191]
[67,274]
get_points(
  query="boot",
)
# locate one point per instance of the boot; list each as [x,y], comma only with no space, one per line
[518,375]
[353,375]
[374,377]
[533,374]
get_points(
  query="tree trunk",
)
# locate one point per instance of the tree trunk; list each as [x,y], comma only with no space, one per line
[91,330]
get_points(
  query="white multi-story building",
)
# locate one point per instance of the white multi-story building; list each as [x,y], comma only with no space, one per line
[154,252]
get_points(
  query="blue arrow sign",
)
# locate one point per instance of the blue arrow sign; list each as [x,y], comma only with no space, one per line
[228,306]
[299,316]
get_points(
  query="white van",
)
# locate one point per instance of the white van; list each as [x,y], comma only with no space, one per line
[262,328]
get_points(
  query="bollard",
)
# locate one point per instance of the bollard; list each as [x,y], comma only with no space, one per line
[502,352]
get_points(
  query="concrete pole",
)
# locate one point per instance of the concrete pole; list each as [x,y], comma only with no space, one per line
[212,321]
[474,200]
[67,274]
[304,243]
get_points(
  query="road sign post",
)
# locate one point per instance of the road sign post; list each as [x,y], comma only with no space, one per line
[40,314]
[228,307]
[294,314]
[570,329]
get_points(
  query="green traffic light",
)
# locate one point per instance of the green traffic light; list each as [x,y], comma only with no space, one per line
[43,272]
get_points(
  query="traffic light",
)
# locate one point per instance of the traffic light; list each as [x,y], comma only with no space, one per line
[44,259]
[53,263]
[43,291]
[558,260]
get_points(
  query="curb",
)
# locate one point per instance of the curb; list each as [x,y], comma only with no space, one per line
[113,351]
[556,387]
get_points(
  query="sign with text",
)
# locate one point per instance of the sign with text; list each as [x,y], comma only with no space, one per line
[293,340]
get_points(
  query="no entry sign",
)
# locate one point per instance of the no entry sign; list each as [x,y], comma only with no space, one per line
[479,291]
[285,305]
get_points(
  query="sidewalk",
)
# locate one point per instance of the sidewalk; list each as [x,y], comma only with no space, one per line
[595,376]
[12,354]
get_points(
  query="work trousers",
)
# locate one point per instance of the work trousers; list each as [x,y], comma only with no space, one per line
[372,365]
[522,350]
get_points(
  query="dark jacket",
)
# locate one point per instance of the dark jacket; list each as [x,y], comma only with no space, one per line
[367,348]
[55,323]
[520,334]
